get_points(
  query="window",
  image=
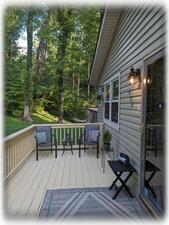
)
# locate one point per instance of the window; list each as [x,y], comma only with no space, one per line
[115,101]
[111,104]
[107,101]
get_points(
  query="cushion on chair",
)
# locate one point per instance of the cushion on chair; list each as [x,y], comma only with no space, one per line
[41,137]
[93,136]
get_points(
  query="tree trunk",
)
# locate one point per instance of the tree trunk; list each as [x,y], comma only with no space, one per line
[60,96]
[64,21]
[28,77]
[73,82]
[26,115]
[78,81]
[88,86]
[41,50]
[78,86]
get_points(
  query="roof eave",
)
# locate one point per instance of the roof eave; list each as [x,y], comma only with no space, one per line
[108,27]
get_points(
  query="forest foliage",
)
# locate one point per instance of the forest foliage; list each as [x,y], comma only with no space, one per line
[54,76]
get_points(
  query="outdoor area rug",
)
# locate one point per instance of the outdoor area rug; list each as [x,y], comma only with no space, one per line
[89,203]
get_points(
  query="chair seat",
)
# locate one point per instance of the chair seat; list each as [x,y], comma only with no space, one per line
[86,143]
[67,142]
[46,144]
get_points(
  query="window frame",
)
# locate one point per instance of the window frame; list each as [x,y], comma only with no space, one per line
[107,101]
[109,121]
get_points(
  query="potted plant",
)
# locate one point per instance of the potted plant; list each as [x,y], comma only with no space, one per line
[106,140]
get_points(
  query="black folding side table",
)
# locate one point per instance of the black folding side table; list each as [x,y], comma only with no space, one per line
[150,167]
[118,169]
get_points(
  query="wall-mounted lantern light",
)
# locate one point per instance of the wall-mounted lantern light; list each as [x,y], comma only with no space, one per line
[134,76]
[147,80]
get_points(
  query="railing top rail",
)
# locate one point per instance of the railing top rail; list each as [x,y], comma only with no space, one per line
[18,133]
[63,125]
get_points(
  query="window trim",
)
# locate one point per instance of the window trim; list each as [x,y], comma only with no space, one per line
[107,101]
[109,122]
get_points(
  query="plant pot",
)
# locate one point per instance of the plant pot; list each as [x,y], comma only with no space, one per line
[107,146]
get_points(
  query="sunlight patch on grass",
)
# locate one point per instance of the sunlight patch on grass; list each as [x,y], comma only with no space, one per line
[43,117]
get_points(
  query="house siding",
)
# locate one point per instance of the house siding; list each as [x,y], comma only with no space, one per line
[140,34]
[100,107]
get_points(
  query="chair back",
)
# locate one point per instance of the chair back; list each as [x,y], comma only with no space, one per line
[47,130]
[91,134]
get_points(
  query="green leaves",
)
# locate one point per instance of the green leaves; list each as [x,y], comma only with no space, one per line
[56,76]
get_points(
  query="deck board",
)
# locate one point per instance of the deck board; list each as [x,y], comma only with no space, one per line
[25,191]
[28,189]
[13,191]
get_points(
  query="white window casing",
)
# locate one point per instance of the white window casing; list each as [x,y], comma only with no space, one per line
[110,82]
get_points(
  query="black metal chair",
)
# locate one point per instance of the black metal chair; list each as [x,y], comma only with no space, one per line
[44,139]
[89,137]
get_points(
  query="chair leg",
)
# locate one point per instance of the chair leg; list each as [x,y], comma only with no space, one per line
[56,151]
[79,150]
[97,151]
[63,150]
[51,148]
[36,153]
[71,149]
[84,148]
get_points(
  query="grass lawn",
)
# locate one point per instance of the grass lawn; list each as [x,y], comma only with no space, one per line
[12,124]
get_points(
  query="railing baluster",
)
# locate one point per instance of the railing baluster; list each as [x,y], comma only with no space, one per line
[73,130]
[57,136]
[64,130]
[61,136]
[76,136]
[8,163]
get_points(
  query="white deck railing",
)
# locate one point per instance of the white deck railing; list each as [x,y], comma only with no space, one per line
[19,145]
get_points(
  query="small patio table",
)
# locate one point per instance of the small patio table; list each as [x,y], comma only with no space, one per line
[150,167]
[67,142]
[118,169]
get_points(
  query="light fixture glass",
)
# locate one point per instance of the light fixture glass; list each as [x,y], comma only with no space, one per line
[147,80]
[134,76]
[131,81]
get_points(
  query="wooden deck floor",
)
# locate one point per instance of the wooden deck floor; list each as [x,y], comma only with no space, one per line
[25,191]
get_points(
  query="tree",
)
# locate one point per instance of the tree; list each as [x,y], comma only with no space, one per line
[79,54]
[28,75]
[43,39]
[14,62]
[65,27]
[54,74]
